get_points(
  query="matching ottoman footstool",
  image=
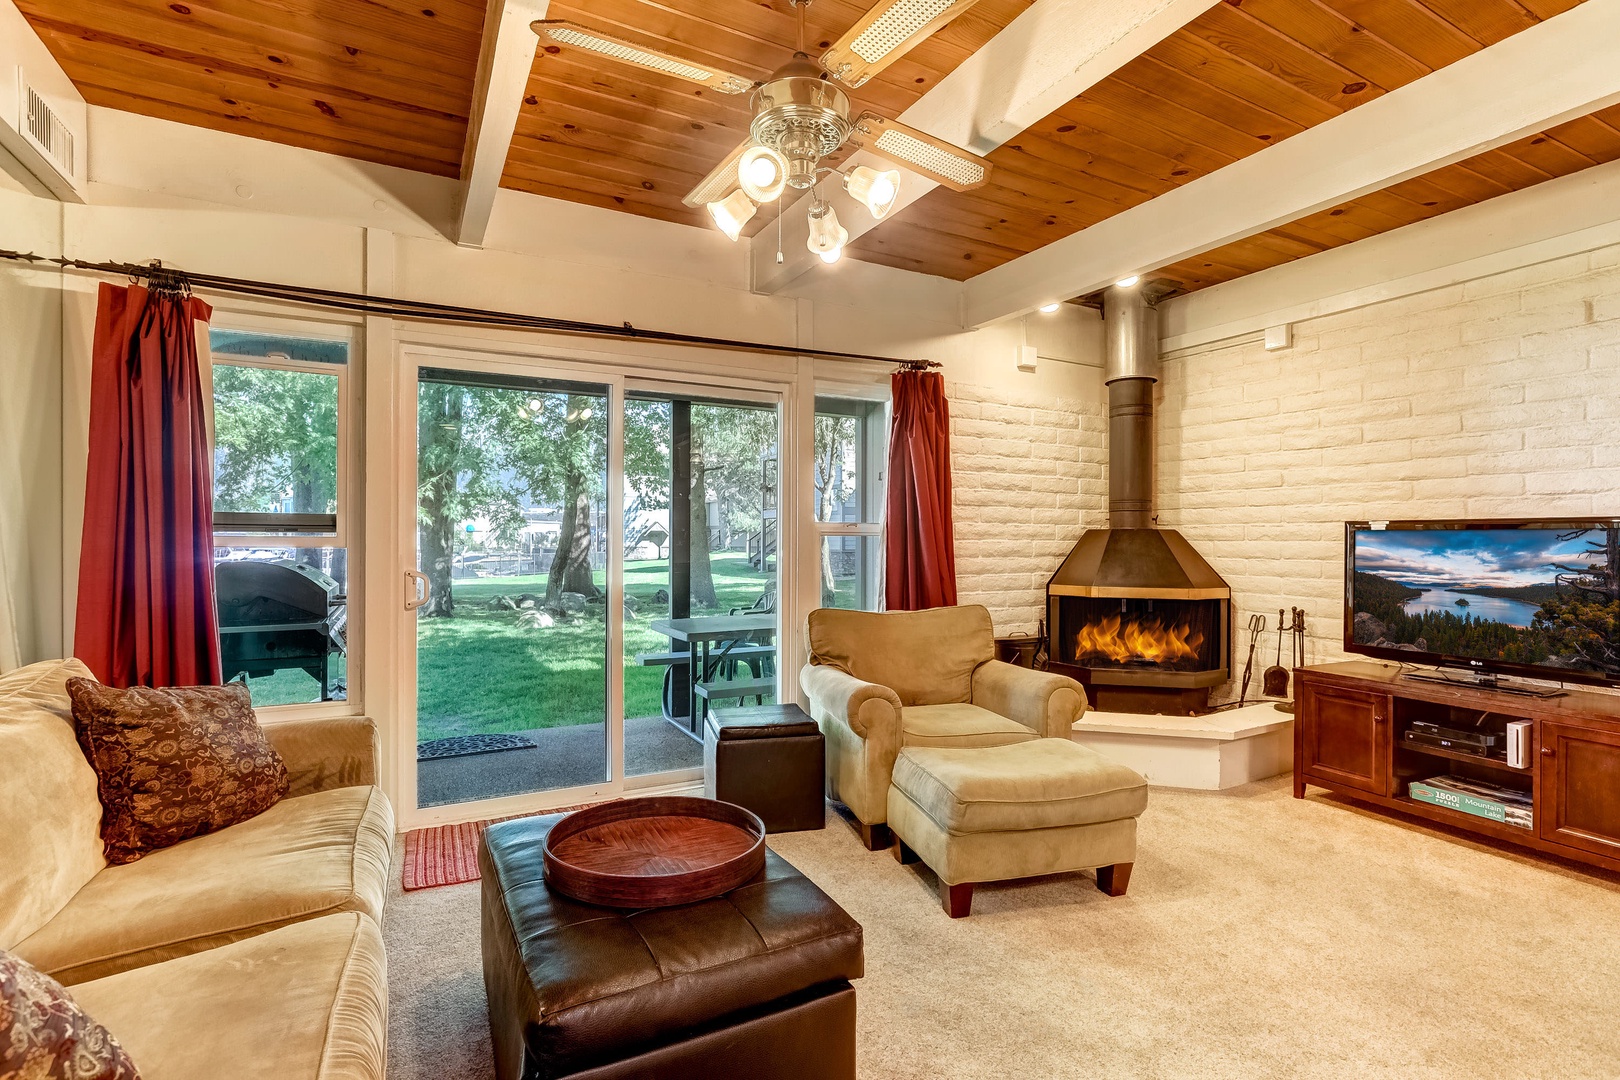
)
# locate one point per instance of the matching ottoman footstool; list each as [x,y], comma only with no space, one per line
[753,983]
[997,813]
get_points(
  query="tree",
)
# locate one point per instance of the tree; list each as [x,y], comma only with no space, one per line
[571,568]
[730,448]
[1584,618]
[460,454]
[275,440]
[836,473]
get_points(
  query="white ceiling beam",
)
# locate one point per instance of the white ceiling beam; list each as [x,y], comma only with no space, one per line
[1556,71]
[504,61]
[1048,56]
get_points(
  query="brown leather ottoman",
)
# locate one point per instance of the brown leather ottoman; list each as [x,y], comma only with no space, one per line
[771,759]
[754,983]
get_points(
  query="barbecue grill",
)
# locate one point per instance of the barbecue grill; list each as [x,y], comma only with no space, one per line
[276,616]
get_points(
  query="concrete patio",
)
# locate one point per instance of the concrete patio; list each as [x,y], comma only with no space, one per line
[563,757]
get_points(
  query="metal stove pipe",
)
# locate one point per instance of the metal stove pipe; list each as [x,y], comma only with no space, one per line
[1131,347]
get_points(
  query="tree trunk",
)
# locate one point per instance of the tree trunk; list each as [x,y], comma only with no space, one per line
[439,434]
[702,573]
[571,568]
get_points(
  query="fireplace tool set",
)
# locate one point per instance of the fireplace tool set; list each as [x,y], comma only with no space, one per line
[1275,680]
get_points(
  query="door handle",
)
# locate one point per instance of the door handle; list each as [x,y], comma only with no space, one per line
[416,589]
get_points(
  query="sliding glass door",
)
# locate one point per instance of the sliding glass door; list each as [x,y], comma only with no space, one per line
[701,563]
[512,622]
[594,570]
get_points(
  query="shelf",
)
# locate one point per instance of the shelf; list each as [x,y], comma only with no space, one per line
[1499,829]
[1457,755]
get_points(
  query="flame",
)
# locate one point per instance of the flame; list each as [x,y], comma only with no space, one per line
[1146,639]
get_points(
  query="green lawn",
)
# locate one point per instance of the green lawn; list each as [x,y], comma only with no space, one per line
[483,671]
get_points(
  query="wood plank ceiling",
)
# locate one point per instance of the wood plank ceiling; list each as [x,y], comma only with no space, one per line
[1243,76]
[391,81]
[603,133]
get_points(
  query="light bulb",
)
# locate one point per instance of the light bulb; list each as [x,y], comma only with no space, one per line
[732,213]
[1127,282]
[825,232]
[874,190]
[830,257]
[1047,309]
[762,172]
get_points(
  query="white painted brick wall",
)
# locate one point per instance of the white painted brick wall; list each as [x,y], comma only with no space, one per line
[1029,474]
[1496,398]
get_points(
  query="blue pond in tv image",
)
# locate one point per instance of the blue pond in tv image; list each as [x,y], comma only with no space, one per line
[1547,597]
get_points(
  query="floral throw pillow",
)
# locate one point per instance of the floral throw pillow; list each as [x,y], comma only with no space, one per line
[175,763]
[44,1035]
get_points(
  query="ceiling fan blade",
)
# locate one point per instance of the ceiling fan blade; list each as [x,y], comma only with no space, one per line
[573,34]
[884,34]
[720,182]
[940,161]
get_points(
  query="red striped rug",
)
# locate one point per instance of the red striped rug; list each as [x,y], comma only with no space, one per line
[448,854]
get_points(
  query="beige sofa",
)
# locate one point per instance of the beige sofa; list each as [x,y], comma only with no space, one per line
[878,682]
[252,952]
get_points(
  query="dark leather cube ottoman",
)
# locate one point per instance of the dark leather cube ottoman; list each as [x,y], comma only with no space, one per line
[755,983]
[771,759]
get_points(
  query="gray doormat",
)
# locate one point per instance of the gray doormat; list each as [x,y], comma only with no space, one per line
[463,745]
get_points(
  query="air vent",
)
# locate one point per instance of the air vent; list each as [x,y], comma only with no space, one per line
[48,133]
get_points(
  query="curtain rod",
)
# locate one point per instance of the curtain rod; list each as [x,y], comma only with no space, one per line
[170,278]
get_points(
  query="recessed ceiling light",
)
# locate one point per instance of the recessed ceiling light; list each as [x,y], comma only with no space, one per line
[1127,282]
[1047,309]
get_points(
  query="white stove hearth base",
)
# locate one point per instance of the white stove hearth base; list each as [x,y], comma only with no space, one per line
[1212,752]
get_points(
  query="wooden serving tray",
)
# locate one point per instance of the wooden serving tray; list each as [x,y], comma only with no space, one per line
[654,852]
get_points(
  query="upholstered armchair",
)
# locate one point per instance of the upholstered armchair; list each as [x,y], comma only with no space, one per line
[879,681]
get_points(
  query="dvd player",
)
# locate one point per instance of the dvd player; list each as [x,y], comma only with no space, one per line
[1478,743]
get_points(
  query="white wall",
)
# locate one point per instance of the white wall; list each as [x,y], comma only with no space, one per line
[1493,397]
[30,427]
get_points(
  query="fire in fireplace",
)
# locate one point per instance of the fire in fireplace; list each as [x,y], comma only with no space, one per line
[1133,639]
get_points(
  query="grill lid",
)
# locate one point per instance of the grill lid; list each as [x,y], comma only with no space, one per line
[1146,564]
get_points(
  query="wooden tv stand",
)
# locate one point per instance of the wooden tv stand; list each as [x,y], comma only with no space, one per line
[1350,720]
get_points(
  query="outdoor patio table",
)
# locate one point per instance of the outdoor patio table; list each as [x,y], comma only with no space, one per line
[700,635]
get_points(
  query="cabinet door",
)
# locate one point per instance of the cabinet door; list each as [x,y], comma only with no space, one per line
[1579,780]
[1344,737]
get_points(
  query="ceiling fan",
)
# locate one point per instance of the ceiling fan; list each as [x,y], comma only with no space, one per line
[802,116]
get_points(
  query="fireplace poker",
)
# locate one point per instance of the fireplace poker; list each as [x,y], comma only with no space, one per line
[1257,626]
[1275,681]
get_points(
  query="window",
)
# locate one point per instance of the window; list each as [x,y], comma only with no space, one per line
[281,565]
[851,439]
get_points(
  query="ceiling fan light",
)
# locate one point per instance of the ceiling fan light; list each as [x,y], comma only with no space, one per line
[877,191]
[732,212]
[825,232]
[762,172]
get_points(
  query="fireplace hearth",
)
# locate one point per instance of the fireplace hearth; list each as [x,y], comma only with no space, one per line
[1135,613]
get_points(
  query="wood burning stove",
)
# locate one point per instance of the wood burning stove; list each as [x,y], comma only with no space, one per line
[1135,613]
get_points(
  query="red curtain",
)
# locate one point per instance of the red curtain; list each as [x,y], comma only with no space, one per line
[146,572]
[919,549]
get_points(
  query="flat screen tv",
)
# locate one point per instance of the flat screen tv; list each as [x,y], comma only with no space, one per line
[1538,599]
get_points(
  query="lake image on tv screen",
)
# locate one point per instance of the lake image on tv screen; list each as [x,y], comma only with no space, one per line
[1546,597]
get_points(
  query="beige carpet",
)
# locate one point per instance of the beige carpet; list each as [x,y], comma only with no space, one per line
[1262,936]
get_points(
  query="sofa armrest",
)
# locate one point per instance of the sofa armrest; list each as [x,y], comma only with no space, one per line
[1046,703]
[870,710]
[861,722]
[331,752]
